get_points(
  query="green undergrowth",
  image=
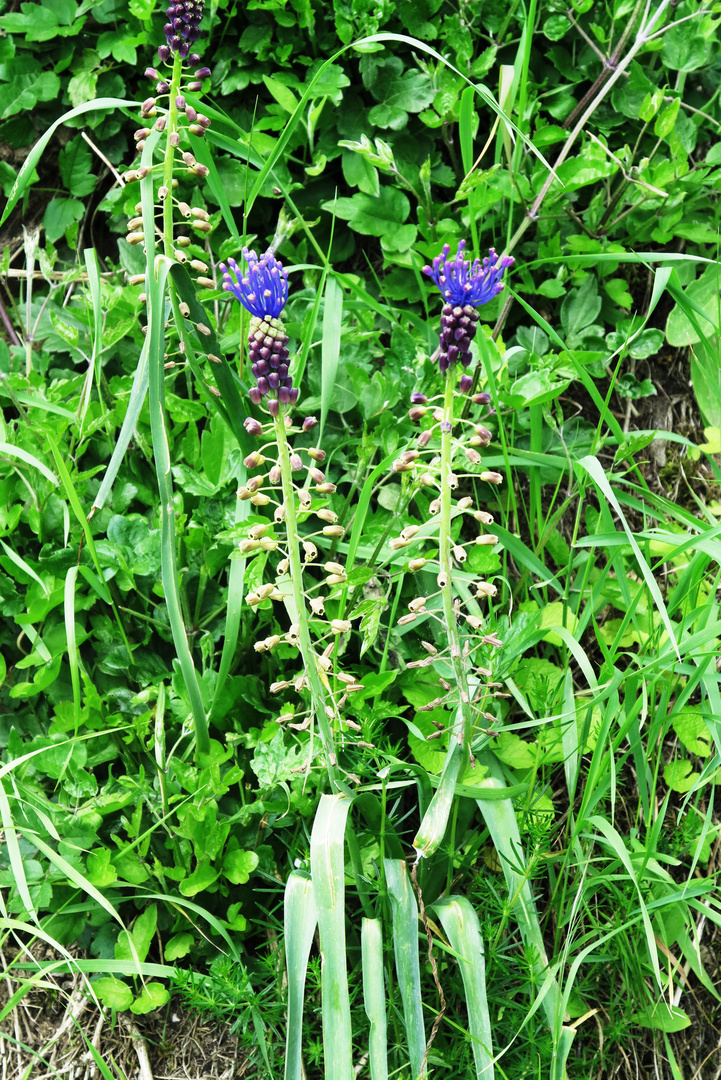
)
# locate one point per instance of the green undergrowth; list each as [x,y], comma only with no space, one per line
[359,139]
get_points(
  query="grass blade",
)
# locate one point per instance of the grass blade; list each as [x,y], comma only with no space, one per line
[300,919]
[330,347]
[328,874]
[73,658]
[404,913]
[463,930]
[374,997]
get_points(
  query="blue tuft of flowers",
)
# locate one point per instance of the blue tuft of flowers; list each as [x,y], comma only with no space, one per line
[263,289]
[464,282]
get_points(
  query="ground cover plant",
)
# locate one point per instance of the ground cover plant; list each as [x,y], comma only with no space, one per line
[360,533]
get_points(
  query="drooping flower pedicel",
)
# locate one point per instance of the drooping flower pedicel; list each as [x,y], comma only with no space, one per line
[466,286]
[263,291]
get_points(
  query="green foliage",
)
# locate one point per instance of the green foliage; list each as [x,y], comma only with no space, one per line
[166,858]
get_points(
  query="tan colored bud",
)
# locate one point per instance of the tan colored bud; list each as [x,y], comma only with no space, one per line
[333,530]
[201,267]
[340,626]
[278,687]
[459,553]
[473,456]
[180,256]
[416,564]
[136,279]
[199,212]
[442,579]
[184,309]
[484,517]
[465,503]
[135,238]
[406,619]
[435,506]
[396,543]
[252,599]
[336,579]
[246,546]
[403,466]
[418,604]
[409,532]
[484,589]
[256,482]
[259,499]
[316,454]
[310,551]
[205,283]
[244,494]
[258,530]
[317,605]
[349,680]
[182,241]
[429,648]
[184,209]
[334,568]
[325,489]
[135,223]
[268,543]
[324,662]
[283,566]
[279,515]
[492,477]
[327,515]
[487,541]
[427,480]
[474,622]
[304,498]
[452,481]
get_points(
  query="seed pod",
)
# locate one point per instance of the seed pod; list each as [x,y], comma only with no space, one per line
[492,477]
[340,626]
[416,564]
[488,540]
[484,589]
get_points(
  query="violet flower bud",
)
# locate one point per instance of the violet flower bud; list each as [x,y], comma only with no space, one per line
[274,407]
[253,427]
[162,87]
[465,384]
[204,73]
[151,73]
[418,398]
[309,423]
[481,399]
[163,54]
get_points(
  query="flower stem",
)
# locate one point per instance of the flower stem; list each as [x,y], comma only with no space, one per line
[318,696]
[171,127]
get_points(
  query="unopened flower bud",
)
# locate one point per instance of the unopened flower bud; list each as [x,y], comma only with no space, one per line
[424,438]
[459,553]
[253,460]
[340,626]
[259,499]
[325,489]
[296,462]
[418,604]
[418,398]
[333,530]
[310,551]
[274,475]
[317,605]
[416,564]
[417,413]
[409,532]
[309,423]
[435,506]
[253,427]
[481,399]
[492,477]
[406,619]
[396,544]
[327,515]
[487,540]
[473,456]
[426,480]
[316,454]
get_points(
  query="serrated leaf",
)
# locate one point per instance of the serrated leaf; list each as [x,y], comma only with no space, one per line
[152,996]
[113,993]
[238,865]
[75,163]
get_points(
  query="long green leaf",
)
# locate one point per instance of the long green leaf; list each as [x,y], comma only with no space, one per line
[462,928]
[404,913]
[328,874]
[300,918]
[330,347]
[374,997]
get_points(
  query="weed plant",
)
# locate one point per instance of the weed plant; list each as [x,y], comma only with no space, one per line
[360,641]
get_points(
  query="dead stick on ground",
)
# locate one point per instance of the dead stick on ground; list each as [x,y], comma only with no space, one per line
[140,1049]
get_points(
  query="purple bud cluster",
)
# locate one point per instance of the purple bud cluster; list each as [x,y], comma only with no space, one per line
[263,291]
[182,29]
[458,329]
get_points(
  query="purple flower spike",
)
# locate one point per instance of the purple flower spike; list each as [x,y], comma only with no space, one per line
[465,286]
[263,290]
[462,282]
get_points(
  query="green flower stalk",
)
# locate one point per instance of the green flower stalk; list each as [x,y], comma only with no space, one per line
[262,289]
